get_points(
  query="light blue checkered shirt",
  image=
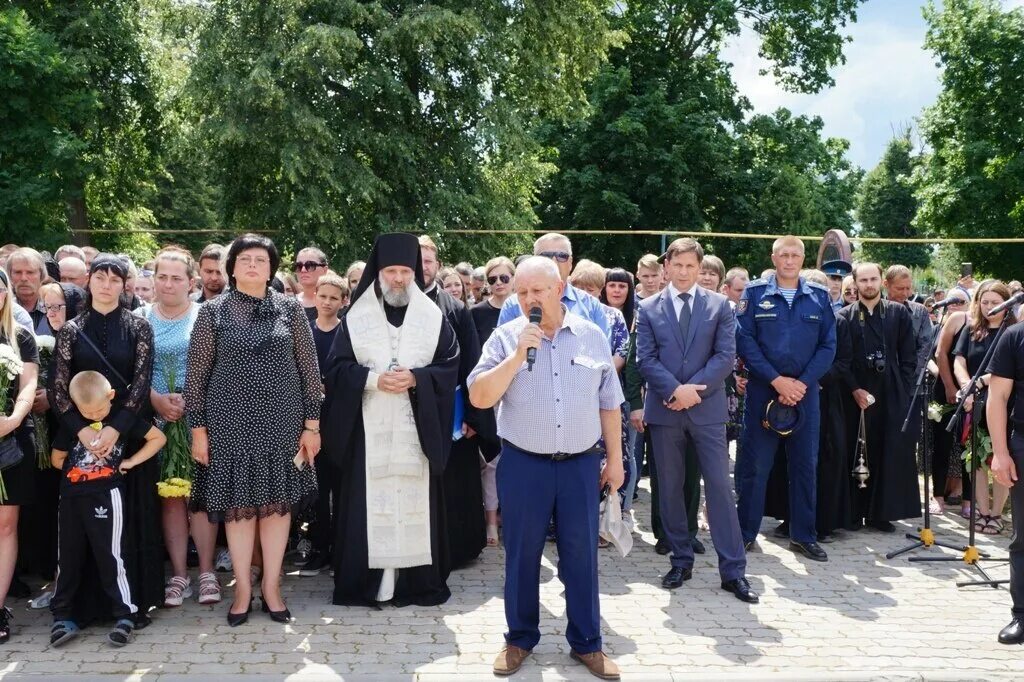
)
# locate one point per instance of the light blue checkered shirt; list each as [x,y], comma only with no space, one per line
[556,407]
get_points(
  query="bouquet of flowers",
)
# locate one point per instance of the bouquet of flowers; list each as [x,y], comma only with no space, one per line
[936,411]
[10,368]
[176,467]
[45,344]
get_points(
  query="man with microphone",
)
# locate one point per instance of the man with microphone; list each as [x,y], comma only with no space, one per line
[556,395]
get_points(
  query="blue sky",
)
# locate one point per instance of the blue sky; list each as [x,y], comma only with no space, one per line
[886,82]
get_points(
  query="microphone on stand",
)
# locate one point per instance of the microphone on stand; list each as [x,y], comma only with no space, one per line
[531,353]
[948,301]
[1008,303]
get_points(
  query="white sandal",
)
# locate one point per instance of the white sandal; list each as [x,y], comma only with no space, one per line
[209,588]
[177,590]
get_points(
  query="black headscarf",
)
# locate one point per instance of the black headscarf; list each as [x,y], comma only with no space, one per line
[110,263]
[74,299]
[392,248]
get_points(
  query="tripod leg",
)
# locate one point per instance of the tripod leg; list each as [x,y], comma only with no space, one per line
[908,548]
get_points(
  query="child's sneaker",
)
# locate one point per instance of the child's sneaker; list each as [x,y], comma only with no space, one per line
[122,632]
[178,589]
[62,632]
[223,561]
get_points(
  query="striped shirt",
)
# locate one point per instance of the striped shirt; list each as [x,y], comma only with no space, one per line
[788,294]
[556,407]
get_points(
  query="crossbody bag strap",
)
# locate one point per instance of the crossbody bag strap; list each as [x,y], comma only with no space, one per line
[81,333]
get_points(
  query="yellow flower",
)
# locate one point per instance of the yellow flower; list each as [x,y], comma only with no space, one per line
[96,426]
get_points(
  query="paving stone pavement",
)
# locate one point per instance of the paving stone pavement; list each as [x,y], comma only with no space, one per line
[859,616]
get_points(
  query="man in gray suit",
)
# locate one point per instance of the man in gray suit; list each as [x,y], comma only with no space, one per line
[686,347]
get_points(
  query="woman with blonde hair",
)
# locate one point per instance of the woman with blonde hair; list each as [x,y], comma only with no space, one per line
[16,433]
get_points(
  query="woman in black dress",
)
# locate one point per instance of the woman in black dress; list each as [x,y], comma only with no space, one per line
[19,479]
[500,274]
[947,469]
[969,352]
[256,454]
[107,338]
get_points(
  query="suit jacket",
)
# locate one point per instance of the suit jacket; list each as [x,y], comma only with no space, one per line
[706,357]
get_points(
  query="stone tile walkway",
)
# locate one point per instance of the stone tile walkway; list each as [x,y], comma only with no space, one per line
[859,616]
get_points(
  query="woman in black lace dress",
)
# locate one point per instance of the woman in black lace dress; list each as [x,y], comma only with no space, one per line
[107,338]
[252,396]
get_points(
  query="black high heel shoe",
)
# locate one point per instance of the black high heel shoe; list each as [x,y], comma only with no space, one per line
[236,619]
[282,616]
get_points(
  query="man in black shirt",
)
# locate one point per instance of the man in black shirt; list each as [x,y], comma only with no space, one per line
[1007,380]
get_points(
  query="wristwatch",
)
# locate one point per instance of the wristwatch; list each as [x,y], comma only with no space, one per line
[316,431]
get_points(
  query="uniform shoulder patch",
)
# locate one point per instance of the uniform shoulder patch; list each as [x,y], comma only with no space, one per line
[815,285]
[757,282]
[741,307]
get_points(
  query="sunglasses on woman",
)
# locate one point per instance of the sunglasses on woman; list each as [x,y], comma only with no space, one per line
[308,265]
[493,279]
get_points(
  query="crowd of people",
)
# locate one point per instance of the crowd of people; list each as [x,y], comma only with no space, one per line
[462,407]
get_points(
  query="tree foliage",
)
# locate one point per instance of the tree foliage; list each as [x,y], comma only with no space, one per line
[972,182]
[333,120]
[886,206]
[668,146]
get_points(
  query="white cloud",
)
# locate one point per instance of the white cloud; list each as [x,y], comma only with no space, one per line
[887,79]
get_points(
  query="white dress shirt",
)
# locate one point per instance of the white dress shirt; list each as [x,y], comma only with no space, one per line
[677,303]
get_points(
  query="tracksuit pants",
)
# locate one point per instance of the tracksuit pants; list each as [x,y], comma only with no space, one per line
[91,521]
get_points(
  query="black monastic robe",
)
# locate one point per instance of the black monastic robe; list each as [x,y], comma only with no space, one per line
[355,584]
[463,489]
[892,491]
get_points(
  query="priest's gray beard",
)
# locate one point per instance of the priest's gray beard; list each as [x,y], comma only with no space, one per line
[398,298]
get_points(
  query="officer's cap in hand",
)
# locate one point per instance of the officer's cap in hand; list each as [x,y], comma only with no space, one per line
[782,419]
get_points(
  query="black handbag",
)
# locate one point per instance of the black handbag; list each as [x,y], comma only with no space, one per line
[11,453]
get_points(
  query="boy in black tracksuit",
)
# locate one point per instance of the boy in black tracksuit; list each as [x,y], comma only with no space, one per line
[91,510]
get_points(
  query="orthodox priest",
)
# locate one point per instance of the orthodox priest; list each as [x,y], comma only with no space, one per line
[390,384]
[880,381]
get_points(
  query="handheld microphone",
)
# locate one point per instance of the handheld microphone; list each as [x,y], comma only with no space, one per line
[948,301]
[531,353]
[1008,303]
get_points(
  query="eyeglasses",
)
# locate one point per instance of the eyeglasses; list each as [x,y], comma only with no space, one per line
[55,308]
[849,292]
[253,260]
[560,256]
[308,265]
[493,279]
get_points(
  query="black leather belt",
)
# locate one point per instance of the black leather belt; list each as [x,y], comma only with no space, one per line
[556,456]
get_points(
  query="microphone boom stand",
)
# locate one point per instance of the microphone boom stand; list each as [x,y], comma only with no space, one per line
[925,537]
[971,555]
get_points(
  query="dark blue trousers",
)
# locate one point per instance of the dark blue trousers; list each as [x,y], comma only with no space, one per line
[754,465]
[532,491]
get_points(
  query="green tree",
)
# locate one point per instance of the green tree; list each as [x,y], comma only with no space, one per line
[39,149]
[971,184]
[334,120]
[886,206]
[666,144]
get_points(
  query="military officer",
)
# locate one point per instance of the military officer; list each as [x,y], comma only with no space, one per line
[786,337]
[836,271]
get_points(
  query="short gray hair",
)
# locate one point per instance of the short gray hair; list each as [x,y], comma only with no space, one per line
[551,237]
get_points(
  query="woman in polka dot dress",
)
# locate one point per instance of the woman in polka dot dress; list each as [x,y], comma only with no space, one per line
[252,396]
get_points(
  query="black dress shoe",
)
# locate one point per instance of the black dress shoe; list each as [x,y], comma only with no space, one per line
[781,530]
[751,546]
[661,547]
[282,616]
[811,550]
[741,588]
[698,546]
[1013,633]
[826,538]
[676,577]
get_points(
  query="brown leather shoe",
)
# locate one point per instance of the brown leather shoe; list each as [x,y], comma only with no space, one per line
[598,664]
[509,660]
